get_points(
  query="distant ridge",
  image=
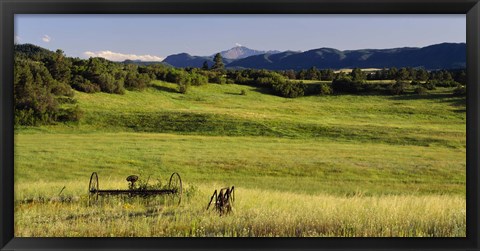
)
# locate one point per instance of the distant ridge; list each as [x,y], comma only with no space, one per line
[432,57]
[144,63]
[438,56]
[187,60]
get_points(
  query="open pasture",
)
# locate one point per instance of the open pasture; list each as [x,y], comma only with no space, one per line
[340,165]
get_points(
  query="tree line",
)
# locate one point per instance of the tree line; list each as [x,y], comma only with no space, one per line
[404,73]
[356,82]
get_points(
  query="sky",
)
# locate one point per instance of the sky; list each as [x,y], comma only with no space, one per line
[154,37]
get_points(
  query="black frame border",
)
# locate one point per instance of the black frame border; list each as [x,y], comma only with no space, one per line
[10,7]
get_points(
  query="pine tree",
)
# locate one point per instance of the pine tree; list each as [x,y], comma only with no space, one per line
[403,74]
[218,62]
[205,65]
[421,75]
[357,75]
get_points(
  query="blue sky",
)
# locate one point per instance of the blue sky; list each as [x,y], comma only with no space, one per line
[153,37]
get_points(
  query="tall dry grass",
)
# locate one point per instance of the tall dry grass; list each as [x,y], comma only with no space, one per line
[256,213]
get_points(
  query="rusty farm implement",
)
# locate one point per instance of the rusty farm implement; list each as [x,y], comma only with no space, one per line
[223,200]
[173,189]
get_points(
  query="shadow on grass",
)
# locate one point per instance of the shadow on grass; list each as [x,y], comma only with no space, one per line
[440,97]
[165,89]
[233,93]
[264,90]
[458,101]
[363,94]
[148,213]
[460,110]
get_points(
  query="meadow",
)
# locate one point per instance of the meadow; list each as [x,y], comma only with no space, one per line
[336,165]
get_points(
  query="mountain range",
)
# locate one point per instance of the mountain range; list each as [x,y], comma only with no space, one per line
[239,52]
[235,53]
[437,56]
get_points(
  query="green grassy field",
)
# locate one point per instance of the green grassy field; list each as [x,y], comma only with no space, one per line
[340,165]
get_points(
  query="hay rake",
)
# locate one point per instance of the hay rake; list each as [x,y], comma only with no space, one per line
[174,189]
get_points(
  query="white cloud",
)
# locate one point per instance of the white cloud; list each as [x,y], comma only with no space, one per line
[115,56]
[46,38]
[238,44]
[16,39]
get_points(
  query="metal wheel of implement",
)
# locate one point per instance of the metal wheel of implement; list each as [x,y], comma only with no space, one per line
[93,188]
[175,184]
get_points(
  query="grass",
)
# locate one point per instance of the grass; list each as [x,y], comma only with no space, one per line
[341,165]
[259,213]
[305,166]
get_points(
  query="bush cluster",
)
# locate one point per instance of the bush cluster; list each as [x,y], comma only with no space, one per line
[348,85]
[399,87]
[421,90]
[37,95]
[268,79]
[460,91]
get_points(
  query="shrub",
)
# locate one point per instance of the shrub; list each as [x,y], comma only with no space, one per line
[267,82]
[62,89]
[241,80]
[198,80]
[421,90]
[217,79]
[182,88]
[84,85]
[324,89]
[174,75]
[346,84]
[444,83]
[289,89]
[35,93]
[460,91]
[415,82]
[184,84]
[25,117]
[430,84]
[136,81]
[399,87]
[119,89]
[243,92]
[374,87]
[70,114]
[106,83]
[66,100]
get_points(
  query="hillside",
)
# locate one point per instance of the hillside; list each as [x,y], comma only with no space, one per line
[221,110]
[31,51]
